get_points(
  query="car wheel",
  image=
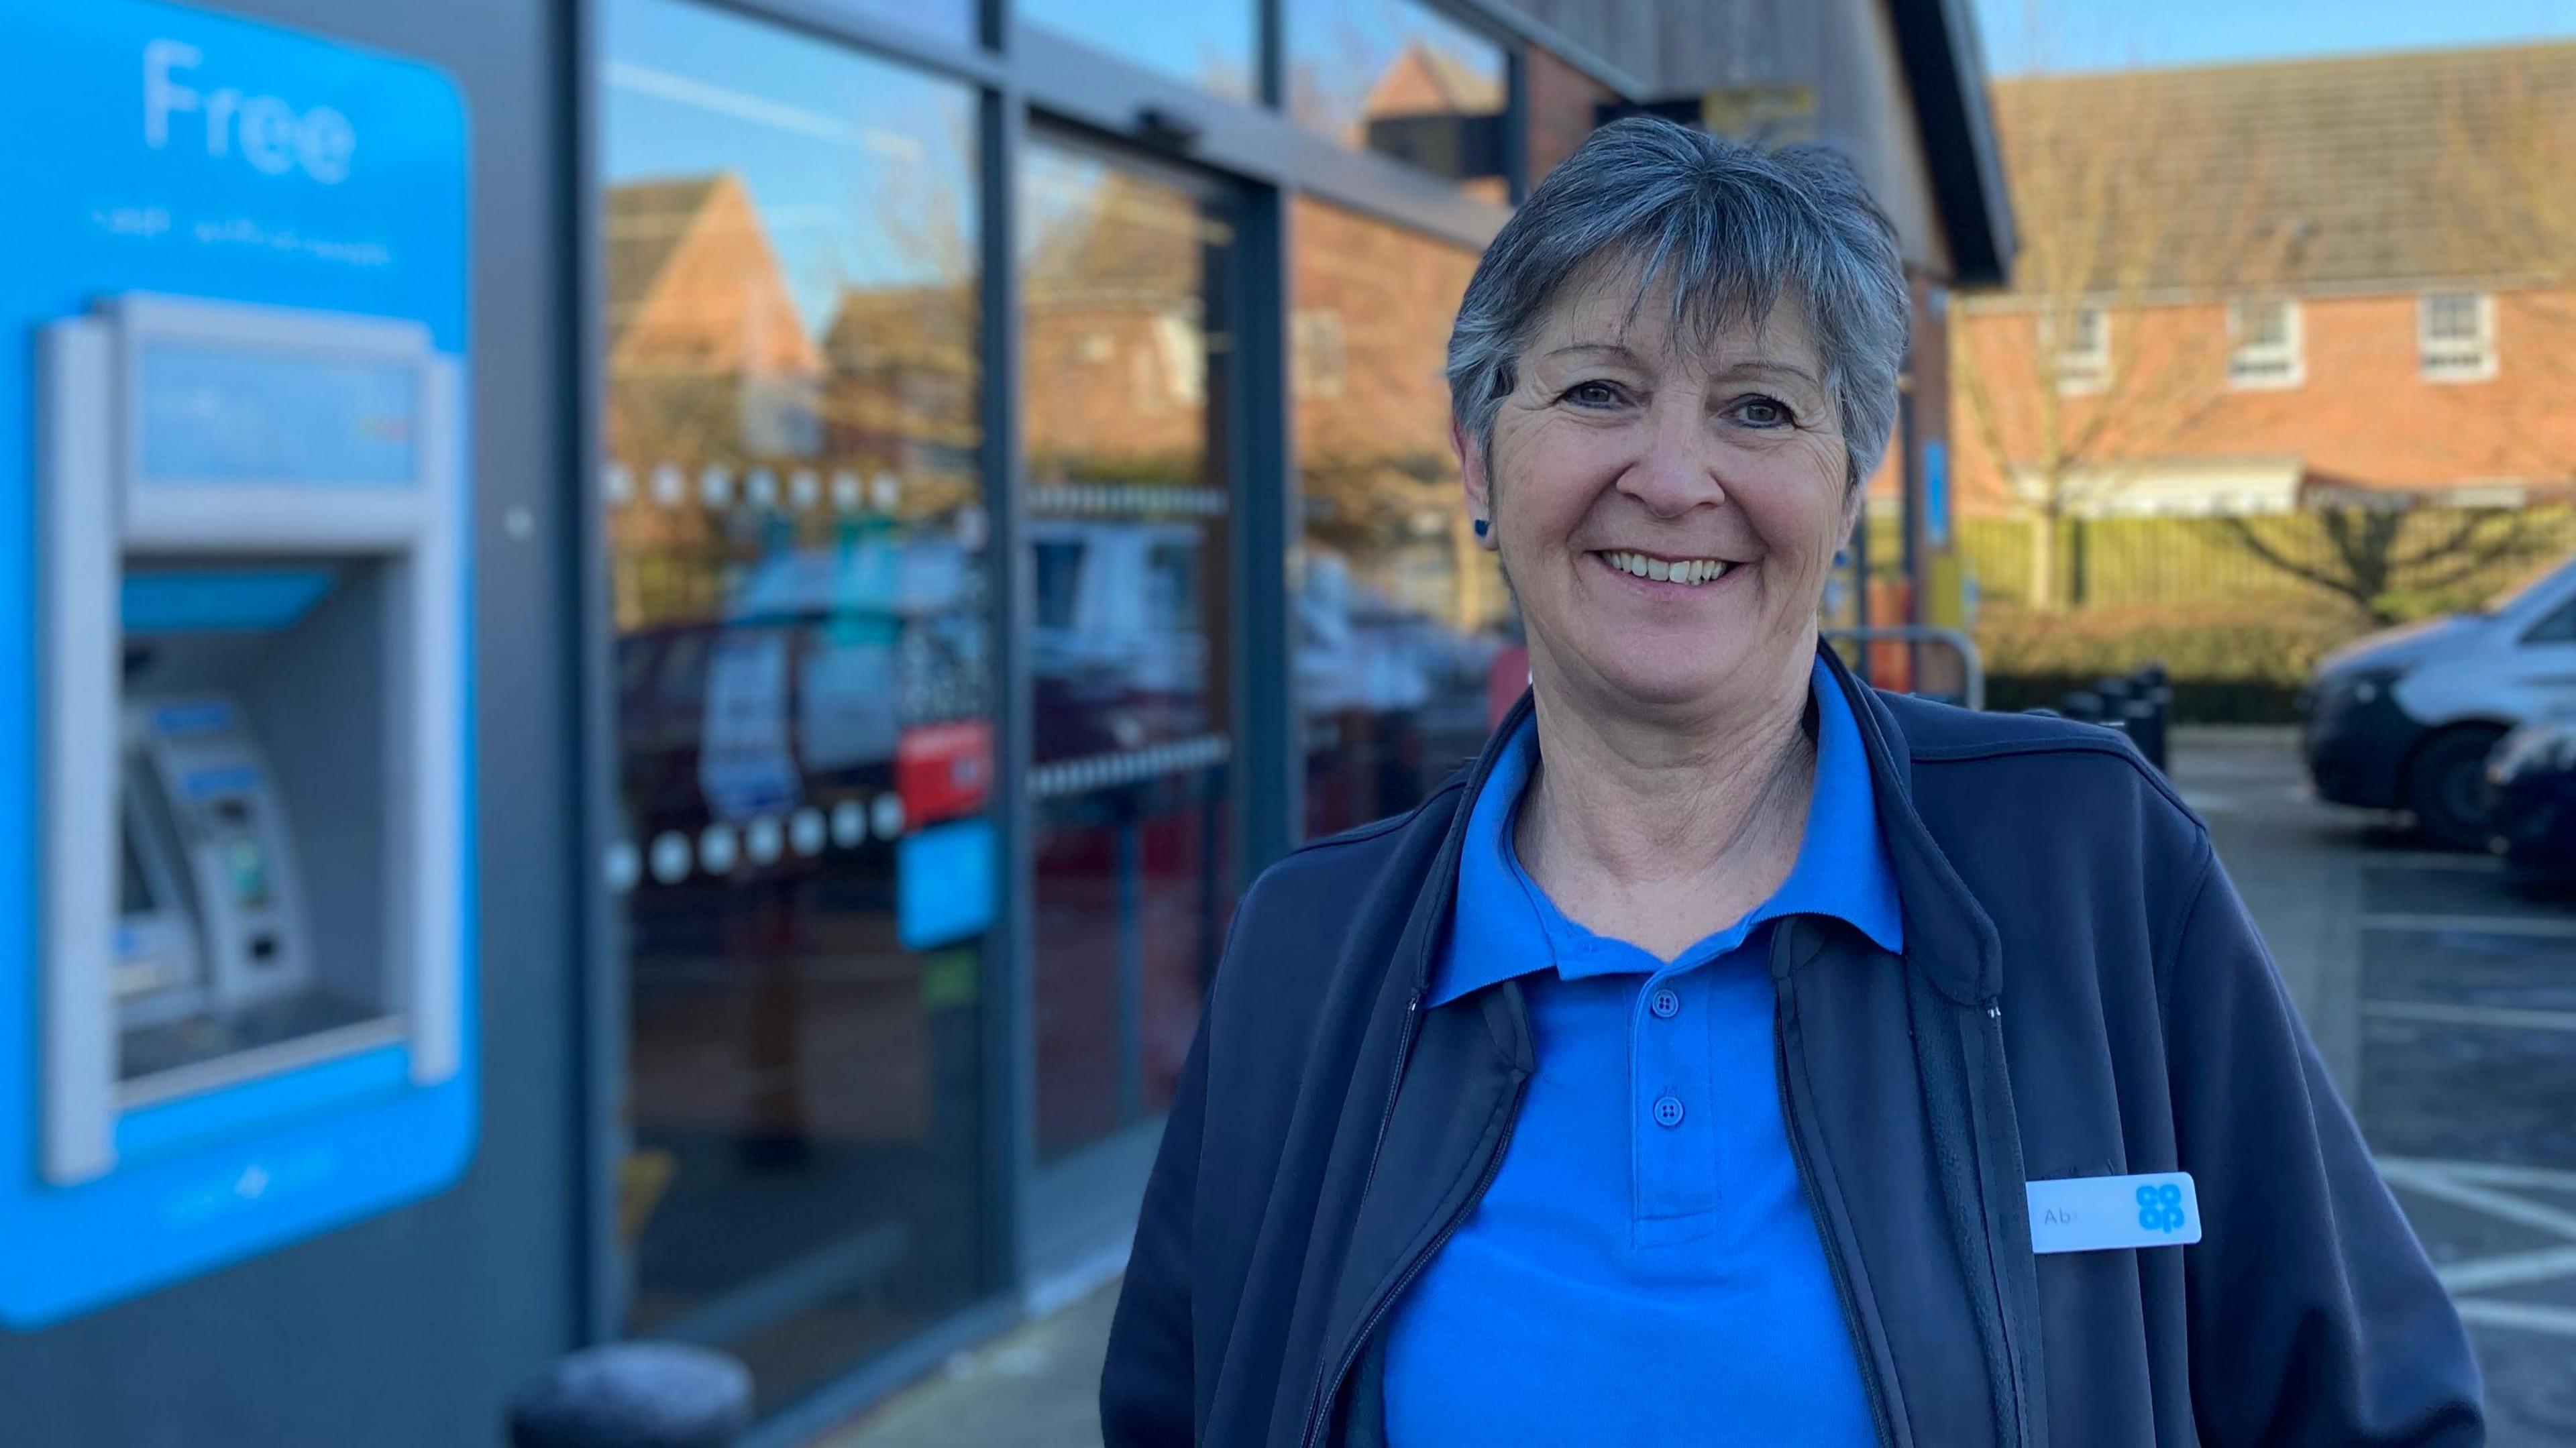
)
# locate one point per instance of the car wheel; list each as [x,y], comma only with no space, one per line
[2446,786]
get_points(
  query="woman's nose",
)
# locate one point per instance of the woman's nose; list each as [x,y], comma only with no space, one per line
[1676,468]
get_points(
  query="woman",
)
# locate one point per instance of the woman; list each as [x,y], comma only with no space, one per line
[1734,1054]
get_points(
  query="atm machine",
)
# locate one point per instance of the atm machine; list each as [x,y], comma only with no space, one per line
[236,977]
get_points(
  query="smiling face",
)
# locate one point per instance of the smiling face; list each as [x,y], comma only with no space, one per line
[1667,511]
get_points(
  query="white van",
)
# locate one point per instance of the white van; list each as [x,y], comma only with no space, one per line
[2405,718]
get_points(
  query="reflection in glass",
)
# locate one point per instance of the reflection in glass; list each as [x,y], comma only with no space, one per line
[1210,44]
[795,535]
[1400,78]
[1127,557]
[1403,627]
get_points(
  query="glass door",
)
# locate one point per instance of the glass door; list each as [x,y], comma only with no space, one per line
[1130,659]
[796,537]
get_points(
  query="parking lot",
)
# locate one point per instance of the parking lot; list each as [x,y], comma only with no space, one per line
[2445,1006]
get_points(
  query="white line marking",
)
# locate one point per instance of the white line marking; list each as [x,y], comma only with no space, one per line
[2528,1316]
[2431,860]
[2509,1269]
[2493,1203]
[2487,1173]
[2546,926]
[2507,1016]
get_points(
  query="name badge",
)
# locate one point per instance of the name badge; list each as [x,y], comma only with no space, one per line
[2108,1213]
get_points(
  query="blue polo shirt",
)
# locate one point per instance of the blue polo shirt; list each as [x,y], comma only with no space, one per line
[1643,1269]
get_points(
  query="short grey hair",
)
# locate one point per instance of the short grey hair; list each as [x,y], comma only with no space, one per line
[1727,229]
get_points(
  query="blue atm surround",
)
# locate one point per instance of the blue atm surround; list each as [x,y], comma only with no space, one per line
[219,204]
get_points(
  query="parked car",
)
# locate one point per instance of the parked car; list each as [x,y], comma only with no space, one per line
[2533,776]
[2405,719]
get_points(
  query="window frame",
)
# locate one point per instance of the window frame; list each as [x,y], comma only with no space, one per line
[2073,373]
[2449,359]
[2254,366]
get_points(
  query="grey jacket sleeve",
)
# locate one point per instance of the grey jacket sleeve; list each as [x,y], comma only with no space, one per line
[2315,1317]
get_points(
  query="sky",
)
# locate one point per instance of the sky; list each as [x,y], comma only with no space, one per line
[2062,35]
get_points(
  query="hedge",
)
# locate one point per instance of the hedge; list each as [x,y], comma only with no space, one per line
[2229,664]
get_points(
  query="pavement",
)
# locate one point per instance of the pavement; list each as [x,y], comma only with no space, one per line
[2443,1003]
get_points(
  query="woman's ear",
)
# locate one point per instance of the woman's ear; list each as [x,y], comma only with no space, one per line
[1477,484]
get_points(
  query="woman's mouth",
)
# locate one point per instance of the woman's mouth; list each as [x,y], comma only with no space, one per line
[1688,572]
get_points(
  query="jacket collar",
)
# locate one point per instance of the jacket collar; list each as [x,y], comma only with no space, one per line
[1948,935]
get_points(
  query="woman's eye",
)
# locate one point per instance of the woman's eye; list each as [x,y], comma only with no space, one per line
[1765,412]
[1592,394]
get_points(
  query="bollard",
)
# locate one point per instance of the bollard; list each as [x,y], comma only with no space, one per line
[635,1395]
[2146,726]
[2159,692]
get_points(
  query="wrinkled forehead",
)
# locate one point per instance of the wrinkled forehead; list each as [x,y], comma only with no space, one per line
[1629,301]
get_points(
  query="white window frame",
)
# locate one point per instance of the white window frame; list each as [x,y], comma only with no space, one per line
[2454,359]
[2078,373]
[2274,364]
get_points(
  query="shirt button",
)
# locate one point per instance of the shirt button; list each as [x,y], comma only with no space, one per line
[1668,1111]
[1666,1004]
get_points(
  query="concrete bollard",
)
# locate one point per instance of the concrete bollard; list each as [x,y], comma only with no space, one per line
[635,1395]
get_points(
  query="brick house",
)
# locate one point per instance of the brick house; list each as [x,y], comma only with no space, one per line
[2252,288]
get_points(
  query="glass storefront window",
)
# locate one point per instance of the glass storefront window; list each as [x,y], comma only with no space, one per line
[796,534]
[1211,44]
[1404,631]
[1401,78]
[1123,273]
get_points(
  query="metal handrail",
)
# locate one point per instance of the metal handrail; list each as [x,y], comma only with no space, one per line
[1972,665]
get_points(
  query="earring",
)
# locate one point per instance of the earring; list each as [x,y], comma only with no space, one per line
[1482,527]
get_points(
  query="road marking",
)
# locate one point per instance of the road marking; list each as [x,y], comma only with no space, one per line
[2528,1316]
[2432,860]
[2433,1183]
[2210,803]
[2545,926]
[2507,1016]
[2509,1269]
[2486,1173]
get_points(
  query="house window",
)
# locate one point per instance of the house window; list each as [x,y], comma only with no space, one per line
[1318,354]
[2079,347]
[2455,336]
[2263,344]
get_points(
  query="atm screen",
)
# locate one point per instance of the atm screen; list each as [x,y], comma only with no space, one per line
[219,414]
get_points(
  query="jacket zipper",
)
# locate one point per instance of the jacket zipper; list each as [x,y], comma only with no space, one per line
[1386,1118]
[1328,1385]
[1862,1354]
[1994,1269]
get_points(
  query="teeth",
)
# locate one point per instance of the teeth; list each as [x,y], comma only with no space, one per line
[1692,571]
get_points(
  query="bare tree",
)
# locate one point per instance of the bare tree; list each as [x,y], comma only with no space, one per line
[2133,216]
[2374,557]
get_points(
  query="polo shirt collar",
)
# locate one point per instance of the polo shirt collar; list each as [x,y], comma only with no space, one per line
[1505,926]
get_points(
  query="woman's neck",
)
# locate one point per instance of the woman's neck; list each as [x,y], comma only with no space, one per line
[1662,831]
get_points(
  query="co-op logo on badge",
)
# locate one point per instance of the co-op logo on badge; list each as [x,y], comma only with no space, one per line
[267,132]
[2160,1207]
